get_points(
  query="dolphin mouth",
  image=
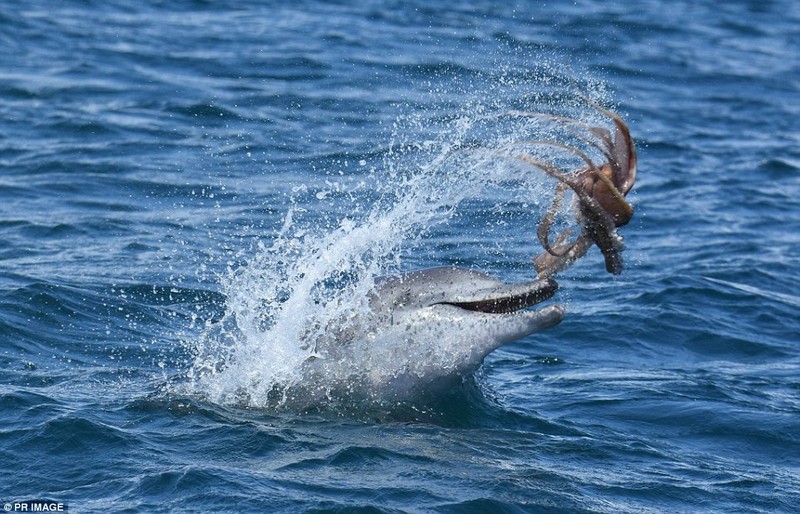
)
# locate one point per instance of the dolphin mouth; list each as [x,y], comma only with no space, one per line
[512,301]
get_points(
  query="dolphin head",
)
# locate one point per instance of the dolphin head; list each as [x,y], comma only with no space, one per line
[471,309]
[466,289]
[439,324]
[423,332]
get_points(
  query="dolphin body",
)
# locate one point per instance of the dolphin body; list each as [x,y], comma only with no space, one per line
[423,332]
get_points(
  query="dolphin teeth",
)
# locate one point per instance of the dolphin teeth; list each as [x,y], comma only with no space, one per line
[509,304]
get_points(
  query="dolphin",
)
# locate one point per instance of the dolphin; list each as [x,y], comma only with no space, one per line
[422,332]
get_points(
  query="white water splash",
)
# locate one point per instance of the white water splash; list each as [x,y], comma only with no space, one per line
[312,282]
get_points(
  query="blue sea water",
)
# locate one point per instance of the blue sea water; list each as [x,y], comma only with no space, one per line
[164,164]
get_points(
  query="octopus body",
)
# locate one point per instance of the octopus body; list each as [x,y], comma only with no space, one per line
[599,190]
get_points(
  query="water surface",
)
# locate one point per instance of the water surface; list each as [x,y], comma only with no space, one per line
[151,155]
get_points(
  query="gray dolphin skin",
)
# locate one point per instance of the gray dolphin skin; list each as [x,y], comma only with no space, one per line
[427,330]
[466,289]
[469,311]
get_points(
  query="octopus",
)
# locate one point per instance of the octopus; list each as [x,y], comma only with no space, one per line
[599,194]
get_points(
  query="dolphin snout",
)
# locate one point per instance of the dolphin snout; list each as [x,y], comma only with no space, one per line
[511,298]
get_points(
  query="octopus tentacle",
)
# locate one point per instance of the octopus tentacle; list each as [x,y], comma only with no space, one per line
[543,230]
[571,124]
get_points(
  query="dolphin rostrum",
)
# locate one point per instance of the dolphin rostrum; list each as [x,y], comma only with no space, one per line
[423,330]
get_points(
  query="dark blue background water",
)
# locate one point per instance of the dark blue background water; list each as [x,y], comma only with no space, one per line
[146,147]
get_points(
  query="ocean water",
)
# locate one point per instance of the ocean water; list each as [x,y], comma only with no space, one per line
[188,188]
